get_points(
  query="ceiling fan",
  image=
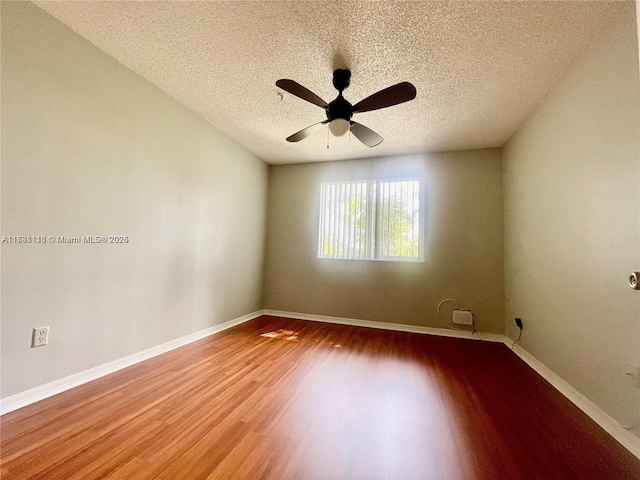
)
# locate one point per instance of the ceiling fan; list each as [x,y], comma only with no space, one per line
[340,111]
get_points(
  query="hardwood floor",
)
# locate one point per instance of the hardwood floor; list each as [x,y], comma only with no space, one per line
[312,401]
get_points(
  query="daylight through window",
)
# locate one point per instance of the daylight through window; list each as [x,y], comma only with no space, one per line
[371,220]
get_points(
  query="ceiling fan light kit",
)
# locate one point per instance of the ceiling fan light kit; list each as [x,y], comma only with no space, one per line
[340,111]
[339,127]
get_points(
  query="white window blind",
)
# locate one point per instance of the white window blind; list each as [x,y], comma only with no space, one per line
[371,220]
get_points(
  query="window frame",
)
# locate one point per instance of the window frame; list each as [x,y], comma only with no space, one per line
[376,255]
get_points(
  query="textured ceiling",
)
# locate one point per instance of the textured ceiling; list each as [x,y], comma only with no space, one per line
[479,67]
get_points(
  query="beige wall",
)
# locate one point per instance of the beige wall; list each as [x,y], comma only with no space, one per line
[89,148]
[463,244]
[572,218]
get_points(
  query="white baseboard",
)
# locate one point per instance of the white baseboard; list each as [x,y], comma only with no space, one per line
[22,399]
[486,336]
[610,425]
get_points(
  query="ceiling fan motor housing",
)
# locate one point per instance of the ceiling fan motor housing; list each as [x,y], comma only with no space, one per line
[339,108]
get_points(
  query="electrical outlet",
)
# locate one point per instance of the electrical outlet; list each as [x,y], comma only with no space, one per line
[519,323]
[633,373]
[40,337]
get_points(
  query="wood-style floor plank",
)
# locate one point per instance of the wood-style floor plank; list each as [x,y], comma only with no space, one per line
[314,401]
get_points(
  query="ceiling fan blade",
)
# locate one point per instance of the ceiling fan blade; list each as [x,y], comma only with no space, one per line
[306,132]
[298,90]
[393,95]
[365,135]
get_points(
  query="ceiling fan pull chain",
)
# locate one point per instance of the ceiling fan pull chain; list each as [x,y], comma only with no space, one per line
[327,139]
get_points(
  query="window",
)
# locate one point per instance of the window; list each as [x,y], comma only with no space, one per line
[371,220]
